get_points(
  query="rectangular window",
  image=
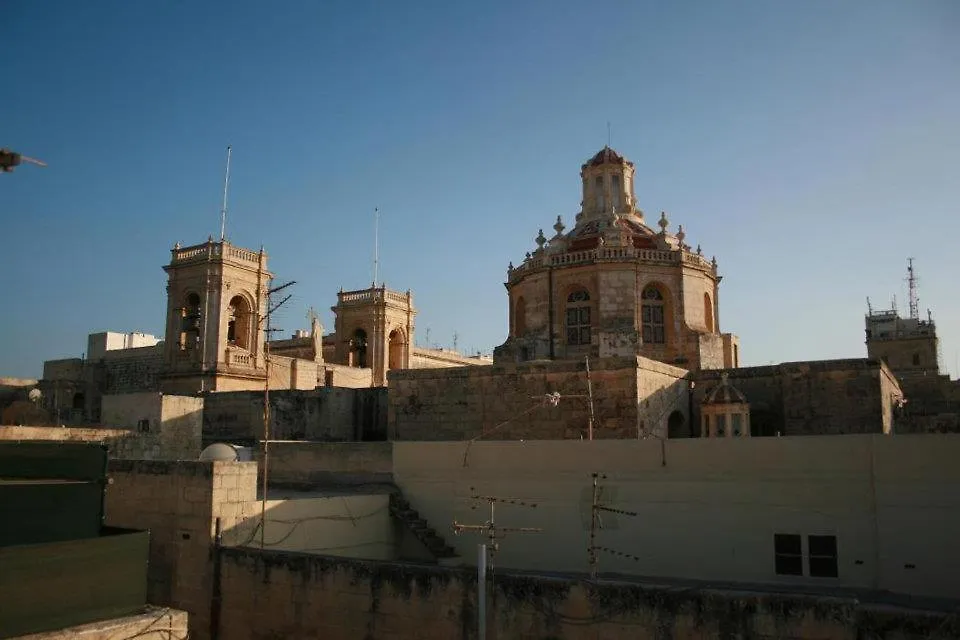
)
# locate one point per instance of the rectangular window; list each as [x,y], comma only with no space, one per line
[615,190]
[143,426]
[598,191]
[736,426]
[721,426]
[788,554]
[823,556]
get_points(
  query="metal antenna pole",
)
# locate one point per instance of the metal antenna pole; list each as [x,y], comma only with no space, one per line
[492,532]
[223,209]
[912,290]
[376,245]
[590,400]
[266,407]
[482,591]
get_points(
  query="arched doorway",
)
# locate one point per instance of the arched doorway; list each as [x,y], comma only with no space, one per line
[677,426]
[398,348]
[358,349]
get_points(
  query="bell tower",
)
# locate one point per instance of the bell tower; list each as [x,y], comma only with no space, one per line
[216,295]
[374,330]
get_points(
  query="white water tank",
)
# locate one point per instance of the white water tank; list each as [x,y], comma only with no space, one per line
[223,452]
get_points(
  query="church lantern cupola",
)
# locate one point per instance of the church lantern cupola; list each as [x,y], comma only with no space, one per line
[725,412]
[607,185]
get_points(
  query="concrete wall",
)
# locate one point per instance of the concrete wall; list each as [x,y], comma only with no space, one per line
[284,595]
[312,464]
[708,509]
[327,414]
[122,444]
[506,401]
[179,502]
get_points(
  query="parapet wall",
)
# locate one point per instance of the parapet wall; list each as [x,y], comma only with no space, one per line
[122,444]
[276,594]
[811,398]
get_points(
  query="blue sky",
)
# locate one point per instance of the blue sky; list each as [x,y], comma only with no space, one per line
[811,146]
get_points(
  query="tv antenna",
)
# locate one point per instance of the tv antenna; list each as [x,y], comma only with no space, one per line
[226,185]
[10,159]
[596,522]
[493,533]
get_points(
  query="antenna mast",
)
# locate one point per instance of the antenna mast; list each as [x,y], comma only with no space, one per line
[376,245]
[223,209]
[912,289]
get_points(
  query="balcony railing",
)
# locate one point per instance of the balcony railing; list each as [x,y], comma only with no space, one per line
[211,250]
[603,254]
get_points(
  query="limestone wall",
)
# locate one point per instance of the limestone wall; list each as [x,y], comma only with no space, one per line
[327,414]
[313,464]
[154,623]
[132,370]
[423,358]
[708,509]
[811,398]
[179,503]
[336,375]
[506,402]
[122,444]
[275,594]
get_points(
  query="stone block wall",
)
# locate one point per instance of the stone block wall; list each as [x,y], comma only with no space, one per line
[153,624]
[811,398]
[277,594]
[179,503]
[328,414]
[122,444]
[507,401]
[132,370]
[312,464]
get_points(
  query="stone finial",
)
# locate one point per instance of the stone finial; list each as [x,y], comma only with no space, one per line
[176,246]
[714,262]
[664,223]
[528,255]
[559,227]
[541,239]
[699,251]
[510,266]
[680,235]
[601,241]
[209,238]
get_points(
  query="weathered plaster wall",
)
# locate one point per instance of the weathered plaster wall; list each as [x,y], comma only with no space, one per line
[272,595]
[708,509]
[327,414]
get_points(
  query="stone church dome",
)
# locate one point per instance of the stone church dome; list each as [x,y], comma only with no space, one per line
[724,393]
[614,285]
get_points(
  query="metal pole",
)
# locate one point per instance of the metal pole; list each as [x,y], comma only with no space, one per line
[590,398]
[266,427]
[481,591]
[226,185]
[593,531]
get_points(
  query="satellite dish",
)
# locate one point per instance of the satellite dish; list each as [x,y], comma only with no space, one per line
[223,452]
[34,395]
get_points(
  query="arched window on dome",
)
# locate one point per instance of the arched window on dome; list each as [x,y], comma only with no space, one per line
[520,317]
[578,318]
[708,312]
[652,316]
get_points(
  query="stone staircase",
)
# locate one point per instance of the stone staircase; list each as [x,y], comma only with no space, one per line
[400,509]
